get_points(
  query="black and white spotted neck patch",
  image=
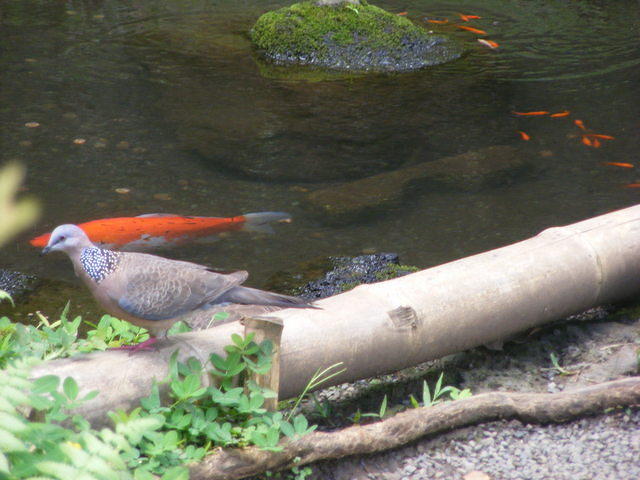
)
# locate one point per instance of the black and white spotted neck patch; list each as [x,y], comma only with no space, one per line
[99,263]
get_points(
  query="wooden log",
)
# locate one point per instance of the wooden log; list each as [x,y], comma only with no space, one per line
[384,327]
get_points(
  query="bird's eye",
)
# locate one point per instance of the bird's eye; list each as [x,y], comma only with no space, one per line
[61,239]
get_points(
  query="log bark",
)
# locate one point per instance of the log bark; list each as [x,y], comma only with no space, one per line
[384,327]
[413,424]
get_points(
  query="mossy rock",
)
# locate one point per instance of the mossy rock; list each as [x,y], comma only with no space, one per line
[348,37]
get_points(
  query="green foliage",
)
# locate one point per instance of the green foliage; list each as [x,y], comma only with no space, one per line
[45,449]
[49,340]
[208,409]
[429,399]
[556,366]
[318,378]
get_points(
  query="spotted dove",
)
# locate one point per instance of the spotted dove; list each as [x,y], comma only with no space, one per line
[151,291]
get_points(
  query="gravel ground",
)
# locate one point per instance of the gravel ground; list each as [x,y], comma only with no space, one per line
[596,346]
[597,448]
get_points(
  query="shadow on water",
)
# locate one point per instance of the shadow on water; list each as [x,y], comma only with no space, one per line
[166,99]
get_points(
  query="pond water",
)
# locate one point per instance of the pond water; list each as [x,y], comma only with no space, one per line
[166,98]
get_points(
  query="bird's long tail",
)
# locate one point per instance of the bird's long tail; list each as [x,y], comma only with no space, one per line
[260,222]
[253,296]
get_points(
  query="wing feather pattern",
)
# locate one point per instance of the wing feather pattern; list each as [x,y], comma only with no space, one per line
[155,288]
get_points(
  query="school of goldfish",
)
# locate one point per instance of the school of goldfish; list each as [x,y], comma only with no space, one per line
[587,136]
[467,18]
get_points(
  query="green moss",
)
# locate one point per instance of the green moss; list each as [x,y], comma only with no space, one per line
[393,271]
[306,27]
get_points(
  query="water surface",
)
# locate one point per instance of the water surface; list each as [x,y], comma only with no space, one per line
[165,98]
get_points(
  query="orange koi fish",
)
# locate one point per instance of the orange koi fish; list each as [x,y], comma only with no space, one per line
[488,43]
[472,30]
[531,114]
[596,143]
[466,18]
[159,230]
[587,141]
[439,22]
[560,114]
[580,124]
[524,135]
[402,14]
[619,164]
[632,185]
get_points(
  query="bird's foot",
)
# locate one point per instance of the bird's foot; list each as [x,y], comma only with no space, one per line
[146,345]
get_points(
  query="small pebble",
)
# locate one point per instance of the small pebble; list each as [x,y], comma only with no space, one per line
[79,141]
[32,124]
[123,191]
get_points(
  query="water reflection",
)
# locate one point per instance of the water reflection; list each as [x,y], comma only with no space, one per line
[170,104]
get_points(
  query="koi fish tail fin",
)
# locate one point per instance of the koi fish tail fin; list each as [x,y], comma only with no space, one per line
[260,222]
[253,296]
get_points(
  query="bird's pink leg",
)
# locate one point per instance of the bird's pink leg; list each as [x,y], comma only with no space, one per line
[146,345]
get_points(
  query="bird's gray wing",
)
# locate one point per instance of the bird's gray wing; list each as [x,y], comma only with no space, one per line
[166,290]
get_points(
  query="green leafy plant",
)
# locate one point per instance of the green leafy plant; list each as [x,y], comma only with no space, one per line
[317,379]
[380,414]
[61,338]
[208,407]
[429,399]
[44,449]
[556,366]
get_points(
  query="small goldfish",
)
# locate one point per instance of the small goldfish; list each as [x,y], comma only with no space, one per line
[488,43]
[560,114]
[159,230]
[402,14]
[466,18]
[531,114]
[599,135]
[580,124]
[587,141]
[632,185]
[596,143]
[472,30]
[524,135]
[619,164]
[439,22]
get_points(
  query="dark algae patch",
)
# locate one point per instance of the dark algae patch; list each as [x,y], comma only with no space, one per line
[348,37]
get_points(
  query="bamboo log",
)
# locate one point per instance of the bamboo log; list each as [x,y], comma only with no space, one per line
[387,326]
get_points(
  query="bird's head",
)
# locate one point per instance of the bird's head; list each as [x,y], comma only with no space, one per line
[67,238]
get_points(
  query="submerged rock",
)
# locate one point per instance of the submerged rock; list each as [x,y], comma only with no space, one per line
[16,284]
[459,172]
[349,272]
[353,36]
